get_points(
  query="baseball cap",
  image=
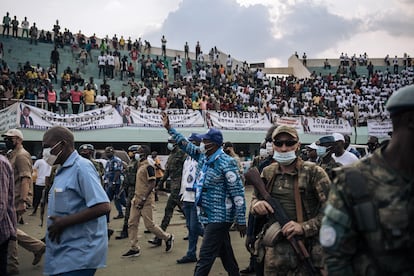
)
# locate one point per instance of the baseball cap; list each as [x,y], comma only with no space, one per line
[401,100]
[13,133]
[312,146]
[214,135]
[326,139]
[134,148]
[194,137]
[285,129]
[338,137]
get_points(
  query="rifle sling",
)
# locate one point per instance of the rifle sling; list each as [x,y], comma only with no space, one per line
[298,201]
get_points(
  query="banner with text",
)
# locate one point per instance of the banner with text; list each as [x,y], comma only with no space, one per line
[8,118]
[379,128]
[237,120]
[321,125]
[289,121]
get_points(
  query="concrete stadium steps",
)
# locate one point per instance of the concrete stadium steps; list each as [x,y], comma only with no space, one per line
[361,70]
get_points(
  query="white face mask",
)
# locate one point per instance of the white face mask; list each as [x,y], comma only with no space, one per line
[170,146]
[285,158]
[137,156]
[48,157]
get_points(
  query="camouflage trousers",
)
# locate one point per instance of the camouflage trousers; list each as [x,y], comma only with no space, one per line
[172,202]
[129,196]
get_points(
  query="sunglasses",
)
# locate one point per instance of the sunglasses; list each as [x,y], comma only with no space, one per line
[288,143]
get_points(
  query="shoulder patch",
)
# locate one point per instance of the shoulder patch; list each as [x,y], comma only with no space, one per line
[327,236]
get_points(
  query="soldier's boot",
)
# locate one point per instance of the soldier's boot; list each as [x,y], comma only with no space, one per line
[123,234]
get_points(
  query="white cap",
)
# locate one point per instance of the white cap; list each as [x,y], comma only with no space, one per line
[312,146]
[338,137]
[13,133]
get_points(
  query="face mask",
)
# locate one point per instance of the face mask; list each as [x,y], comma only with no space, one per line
[321,150]
[10,144]
[49,157]
[137,156]
[263,153]
[285,158]
[170,146]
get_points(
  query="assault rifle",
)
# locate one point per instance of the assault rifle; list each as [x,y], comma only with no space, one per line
[252,176]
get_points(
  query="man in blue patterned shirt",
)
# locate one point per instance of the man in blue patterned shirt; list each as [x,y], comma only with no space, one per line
[219,198]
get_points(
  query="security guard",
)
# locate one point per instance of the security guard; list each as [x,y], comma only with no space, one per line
[368,227]
[129,186]
[87,151]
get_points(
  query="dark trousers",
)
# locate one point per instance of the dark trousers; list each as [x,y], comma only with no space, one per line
[172,202]
[194,228]
[216,243]
[3,257]
[37,196]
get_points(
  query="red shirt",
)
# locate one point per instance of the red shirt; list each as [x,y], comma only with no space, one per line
[76,96]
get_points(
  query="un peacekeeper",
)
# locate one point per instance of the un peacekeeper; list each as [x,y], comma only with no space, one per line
[86,151]
[324,151]
[174,171]
[302,188]
[368,227]
[129,186]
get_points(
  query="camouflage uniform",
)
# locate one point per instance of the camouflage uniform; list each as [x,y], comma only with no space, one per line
[373,235]
[327,163]
[100,169]
[129,187]
[314,186]
[174,171]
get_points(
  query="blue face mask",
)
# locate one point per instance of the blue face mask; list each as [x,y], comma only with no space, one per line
[285,158]
[321,150]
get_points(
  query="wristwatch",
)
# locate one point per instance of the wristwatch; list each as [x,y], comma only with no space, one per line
[144,198]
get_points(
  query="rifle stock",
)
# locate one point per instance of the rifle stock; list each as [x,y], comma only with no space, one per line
[252,176]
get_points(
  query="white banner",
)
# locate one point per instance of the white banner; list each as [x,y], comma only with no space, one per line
[379,128]
[37,118]
[289,121]
[8,117]
[321,125]
[151,117]
[237,120]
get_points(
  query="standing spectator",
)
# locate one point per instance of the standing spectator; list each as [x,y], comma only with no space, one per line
[186,50]
[42,169]
[395,63]
[15,26]
[76,233]
[304,57]
[7,211]
[64,97]
[174,172]
[219,196]
[21,162]
[163,46]
[197,50]
[51,97]
[76,99]
[6,24]
[229,64]
[111,65]
[25,27]
[88,97]
[190,211]
[141,206]
[101,64]
[56,30]
[285,181]
[33,34]
[54,58]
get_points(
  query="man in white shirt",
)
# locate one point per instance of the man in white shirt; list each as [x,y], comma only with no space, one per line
[43,171]
[340,155]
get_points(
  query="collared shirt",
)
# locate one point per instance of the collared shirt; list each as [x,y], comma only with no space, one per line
[21,162]
[187,181]
[113,165]
[222,194]
[7,210]
[75,188]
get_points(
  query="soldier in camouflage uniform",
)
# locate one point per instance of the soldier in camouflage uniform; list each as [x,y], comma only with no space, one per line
[282,178]
[86,151]
[368,227]
[129,187]
[174,171]
[324,152]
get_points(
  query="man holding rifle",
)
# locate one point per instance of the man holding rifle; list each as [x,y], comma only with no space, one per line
[294,194]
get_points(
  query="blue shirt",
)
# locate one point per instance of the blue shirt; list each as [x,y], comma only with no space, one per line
[83,246]
[222,192]
[113,165]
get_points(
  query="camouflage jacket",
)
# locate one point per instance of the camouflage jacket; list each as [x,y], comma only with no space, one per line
[373,235]
[131,173]
[174,168]
[327,163]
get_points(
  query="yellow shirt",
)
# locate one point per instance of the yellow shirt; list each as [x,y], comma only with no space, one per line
[89,96]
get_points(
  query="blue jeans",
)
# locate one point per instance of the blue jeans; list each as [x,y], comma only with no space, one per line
[113,191]
[82,272]
[194,228]
[216,243]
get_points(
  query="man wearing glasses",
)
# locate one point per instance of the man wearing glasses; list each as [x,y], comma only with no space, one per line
[302,188]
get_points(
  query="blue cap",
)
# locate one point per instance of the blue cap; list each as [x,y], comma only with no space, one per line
[214,135]
[194,137]
[326,139]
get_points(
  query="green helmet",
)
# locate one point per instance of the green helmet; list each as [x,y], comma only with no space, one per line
[87,147]
[401,100]
[134,148]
